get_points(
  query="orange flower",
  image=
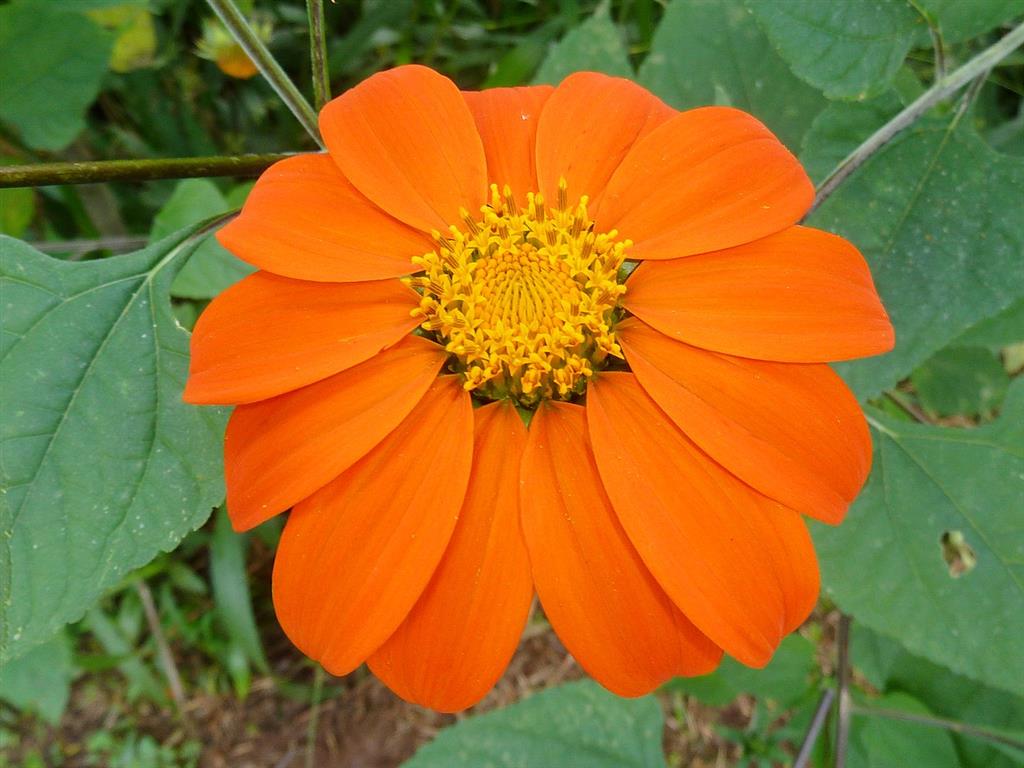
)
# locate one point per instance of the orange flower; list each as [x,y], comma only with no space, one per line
[456,261]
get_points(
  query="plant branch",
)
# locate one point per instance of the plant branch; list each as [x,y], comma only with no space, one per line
[975,731]
[318,53]
[94,171]
[803,757]
[843,696]
[942,89]
[163,650]
[255,49]
[314,716]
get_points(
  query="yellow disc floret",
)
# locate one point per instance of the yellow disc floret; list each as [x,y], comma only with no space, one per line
[524,300]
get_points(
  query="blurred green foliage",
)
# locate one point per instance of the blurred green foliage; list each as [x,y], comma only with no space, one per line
[930,558]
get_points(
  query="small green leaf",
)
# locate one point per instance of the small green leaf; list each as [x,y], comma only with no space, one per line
[878,742]
[712,52]
[785,680]
[846,48]
[946,694]
[927,482]
[936,213]
[968,381]
[573,724]
[211,268]
[52,60]
[102,464]
[40,681]
[231,590]
[596,45]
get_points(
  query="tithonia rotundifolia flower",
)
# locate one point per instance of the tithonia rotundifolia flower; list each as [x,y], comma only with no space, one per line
[562,340]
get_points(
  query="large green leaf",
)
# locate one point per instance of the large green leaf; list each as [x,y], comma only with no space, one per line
[596,45]
[959,20]
[846,48]
[52,59]
[102,463]
[711,52]
[887,564]
[937,214]
[40,681]
[577,724]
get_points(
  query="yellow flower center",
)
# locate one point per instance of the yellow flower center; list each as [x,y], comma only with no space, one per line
[524,300]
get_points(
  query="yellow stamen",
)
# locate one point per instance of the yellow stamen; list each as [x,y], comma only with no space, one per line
[524,299]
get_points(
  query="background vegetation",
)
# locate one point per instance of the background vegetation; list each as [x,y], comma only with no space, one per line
[136,629]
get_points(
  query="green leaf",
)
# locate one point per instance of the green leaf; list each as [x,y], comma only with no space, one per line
[887,563]
[211,268]
[937,215]
[573,724]
[785,680]
[944,693]
[846,48]
[596,45]
[959,20]
[52,60]
[231,590]
[103,464]
[878,742]
[712,52]
[997,332]
[969,381]
[17,206]
[40,681]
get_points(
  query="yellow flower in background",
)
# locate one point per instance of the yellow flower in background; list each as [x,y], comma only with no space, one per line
[220,47]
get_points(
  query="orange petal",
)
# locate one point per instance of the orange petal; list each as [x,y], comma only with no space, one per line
[407,140]
[356,555]
[460,635]
[709,178]
[598,595]
[507,121]
[278,451]
[267,334]
[800,296]
[587,127]
[698,528]
[796,565]
[303,219]
[793,431]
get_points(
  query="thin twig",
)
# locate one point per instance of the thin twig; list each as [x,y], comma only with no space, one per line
[95,171]
[943,88]
[970,95]
[318,53]
[255,49]
[170,669]
[843,675]
[908,407]
[974,731]
[803,757]
[938,44]
[314,716]
[78,248]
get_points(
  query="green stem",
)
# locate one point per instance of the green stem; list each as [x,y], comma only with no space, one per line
[843,699]
[942,89]
[93,171]
[318,53]
[244,35]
